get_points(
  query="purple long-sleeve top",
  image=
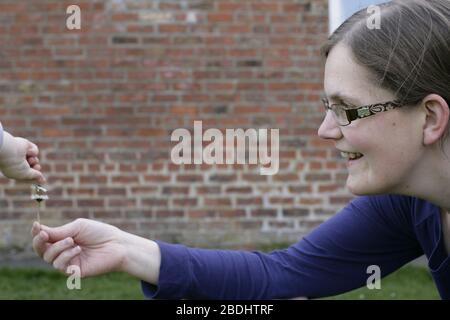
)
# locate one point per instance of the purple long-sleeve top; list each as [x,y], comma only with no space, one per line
[387,231]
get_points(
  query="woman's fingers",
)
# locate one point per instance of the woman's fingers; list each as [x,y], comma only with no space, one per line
[35,229]
[59,253]
[63,260]
[69,230]
[55,249]
[40,244]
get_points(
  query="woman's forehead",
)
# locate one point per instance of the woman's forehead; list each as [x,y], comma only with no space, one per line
[344,78]
[342,74]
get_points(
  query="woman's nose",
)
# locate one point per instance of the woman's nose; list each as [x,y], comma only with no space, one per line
[329,129]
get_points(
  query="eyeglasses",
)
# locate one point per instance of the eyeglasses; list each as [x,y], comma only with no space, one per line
[345,114]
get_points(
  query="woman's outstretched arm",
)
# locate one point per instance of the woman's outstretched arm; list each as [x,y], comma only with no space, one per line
[333,258]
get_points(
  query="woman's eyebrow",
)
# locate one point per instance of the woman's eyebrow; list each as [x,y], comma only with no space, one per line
[343,97]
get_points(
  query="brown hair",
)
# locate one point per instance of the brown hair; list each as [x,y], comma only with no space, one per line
[410,53]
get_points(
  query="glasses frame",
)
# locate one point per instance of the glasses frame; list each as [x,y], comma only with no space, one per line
[362,112]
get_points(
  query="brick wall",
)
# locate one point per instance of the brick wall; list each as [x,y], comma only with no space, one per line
[102,102]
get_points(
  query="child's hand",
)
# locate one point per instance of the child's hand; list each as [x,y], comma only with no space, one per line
[19,160]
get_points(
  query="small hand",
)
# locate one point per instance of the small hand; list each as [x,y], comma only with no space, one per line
[19,160]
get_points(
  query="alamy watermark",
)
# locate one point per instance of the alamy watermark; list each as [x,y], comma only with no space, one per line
[73,22]
[374,20]
[190,150]
[374,280]
[74,280]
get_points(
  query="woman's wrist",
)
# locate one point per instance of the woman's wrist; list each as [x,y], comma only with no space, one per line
[142,258]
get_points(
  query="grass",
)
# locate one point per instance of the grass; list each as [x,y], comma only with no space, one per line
[36,283]
[27,283]
[409,282]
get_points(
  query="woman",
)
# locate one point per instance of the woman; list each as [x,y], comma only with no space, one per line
[387,110]
[19,158]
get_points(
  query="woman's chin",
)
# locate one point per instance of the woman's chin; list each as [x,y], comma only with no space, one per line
[358,187]
[356,191]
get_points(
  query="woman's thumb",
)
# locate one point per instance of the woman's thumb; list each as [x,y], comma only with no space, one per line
[62,232]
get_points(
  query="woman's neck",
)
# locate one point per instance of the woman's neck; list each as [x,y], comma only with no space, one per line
[430,180]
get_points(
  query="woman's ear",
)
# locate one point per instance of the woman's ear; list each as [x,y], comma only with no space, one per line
[436,118]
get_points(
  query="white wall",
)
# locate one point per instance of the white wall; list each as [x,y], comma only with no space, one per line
[340,10]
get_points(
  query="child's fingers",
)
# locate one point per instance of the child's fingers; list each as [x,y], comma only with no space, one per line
[33,160]
[36,175]
[33,150]
[54,250]
[34,164]
[62,261]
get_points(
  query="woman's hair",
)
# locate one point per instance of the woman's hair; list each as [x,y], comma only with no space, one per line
[409,54]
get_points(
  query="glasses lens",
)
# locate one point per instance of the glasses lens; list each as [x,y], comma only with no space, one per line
[340,115]
[325,105]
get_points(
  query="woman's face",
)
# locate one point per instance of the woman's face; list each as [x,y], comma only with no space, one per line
[390,142]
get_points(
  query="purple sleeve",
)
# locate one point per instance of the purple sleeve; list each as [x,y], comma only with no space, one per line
[332,259]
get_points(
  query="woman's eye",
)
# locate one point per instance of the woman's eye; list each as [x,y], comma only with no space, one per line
[347,106]
[341,106]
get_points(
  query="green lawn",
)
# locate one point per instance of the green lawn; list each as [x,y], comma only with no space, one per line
[34,283]
[407,283]
[26,283]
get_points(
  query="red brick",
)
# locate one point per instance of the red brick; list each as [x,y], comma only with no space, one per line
[340,199]
[281,200]
[121,17]
[296,212]
[185,202]
[238,190]
[120,202]
[310,201]
[125,179]
[169,213]
[190,178]
[273,6]
[172,28]
[217,202]
[264,213]
[249,201]
[220,17]
[102,105]
[201,213]
[317,177]
[222,177]
[208,190]
[231,213]
[231,6]
[90,203]
[112,192]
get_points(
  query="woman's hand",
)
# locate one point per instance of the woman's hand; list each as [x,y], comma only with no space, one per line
[97,248]
[94,247]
